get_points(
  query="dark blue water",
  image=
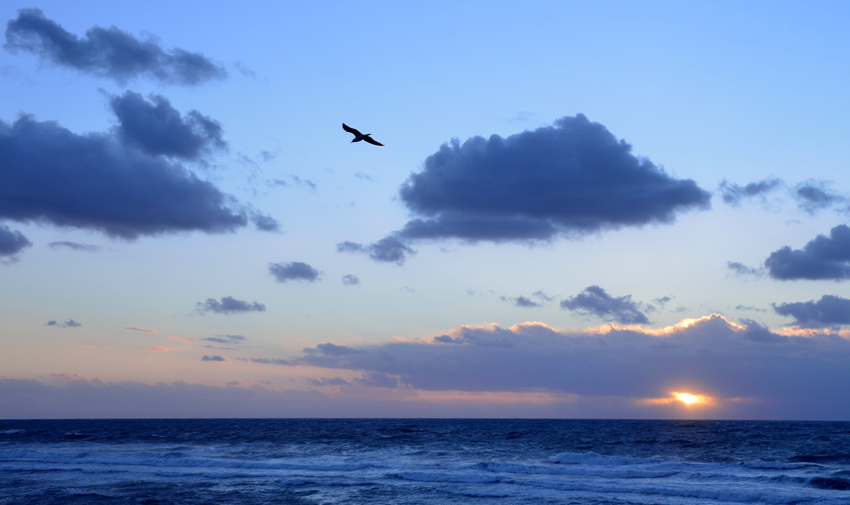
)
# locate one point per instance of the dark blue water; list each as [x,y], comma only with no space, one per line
[423,461]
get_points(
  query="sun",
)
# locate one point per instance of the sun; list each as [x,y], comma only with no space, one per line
[689,399]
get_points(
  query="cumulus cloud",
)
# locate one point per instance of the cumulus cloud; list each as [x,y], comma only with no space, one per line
[94,181]
[595,301]
[294,271]
[350,280]
[11,242]
[264,222]
[822,258]
[157,128]
[569,179]
[813,196]
[218,359]
[107,52]
[829,311]
[733,194]
[76,246]
[229,305]
[522,301]
[68,323]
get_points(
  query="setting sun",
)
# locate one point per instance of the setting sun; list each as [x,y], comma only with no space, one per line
[689,399]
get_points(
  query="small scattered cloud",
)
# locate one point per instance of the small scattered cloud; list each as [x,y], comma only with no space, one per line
[74,246]
[215,358]
[813,196]
[11,243]
[829,311]
[296,181]
[336,381]
[543,296]
[107,52]
[741,270]
[823,258]
[521,301]
[350,280]
[144,330]
[265,222]
[364,177]
[229,305]
[749,307]
[68,323]
[182,340]
[387,250]
[294,271]
[733,194]
[596,302]
[226,339]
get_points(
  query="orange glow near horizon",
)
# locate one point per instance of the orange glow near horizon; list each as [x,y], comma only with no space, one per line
[687,399]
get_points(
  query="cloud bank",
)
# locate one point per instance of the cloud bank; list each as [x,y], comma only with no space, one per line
[107,52]
[569,179]
[822,258]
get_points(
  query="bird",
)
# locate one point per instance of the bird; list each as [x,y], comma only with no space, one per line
[359,136]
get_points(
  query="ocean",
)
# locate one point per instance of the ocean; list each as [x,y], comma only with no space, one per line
[417,461]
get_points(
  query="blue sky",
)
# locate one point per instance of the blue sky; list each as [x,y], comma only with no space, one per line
[196,229]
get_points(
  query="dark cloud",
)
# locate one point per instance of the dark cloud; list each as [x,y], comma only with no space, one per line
[829,311]
[350,280]
[226,339]
[822,258]
[569,179]
[74,246]
[759,333]
[213,358]
[68,323]
[94,181]
[387,250]
[596,302]
[11,242]
[229,305]
[813,196]
[733,194]
[157,128]
[294,271]
[107,52]
[740,269]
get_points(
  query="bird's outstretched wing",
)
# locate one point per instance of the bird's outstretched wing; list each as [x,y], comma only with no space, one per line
[372,141]
[351,130]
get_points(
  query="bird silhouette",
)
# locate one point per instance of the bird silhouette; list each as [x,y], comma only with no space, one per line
[359,136]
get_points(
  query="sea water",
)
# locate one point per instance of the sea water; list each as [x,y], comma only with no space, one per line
[354,461]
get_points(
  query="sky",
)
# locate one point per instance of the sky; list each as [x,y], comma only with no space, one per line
[580,210]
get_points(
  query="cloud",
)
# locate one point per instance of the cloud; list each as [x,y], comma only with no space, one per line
[144,330]
[740,269]
[157,128]
[813,196]
[294,271]
[264,222]
[107,52]
[227,339]
[297,180]
[733,194]
[11,242]
[336,381]
[521,301]
[69,323]
[74,246]
[829,311]
[596,302]
[350,280]
[213,358]
[229,305]
[95,182]
[387,250]
[569,180]
[822,258]
[377,380]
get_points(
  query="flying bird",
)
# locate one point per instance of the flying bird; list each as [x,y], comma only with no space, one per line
[359,136]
